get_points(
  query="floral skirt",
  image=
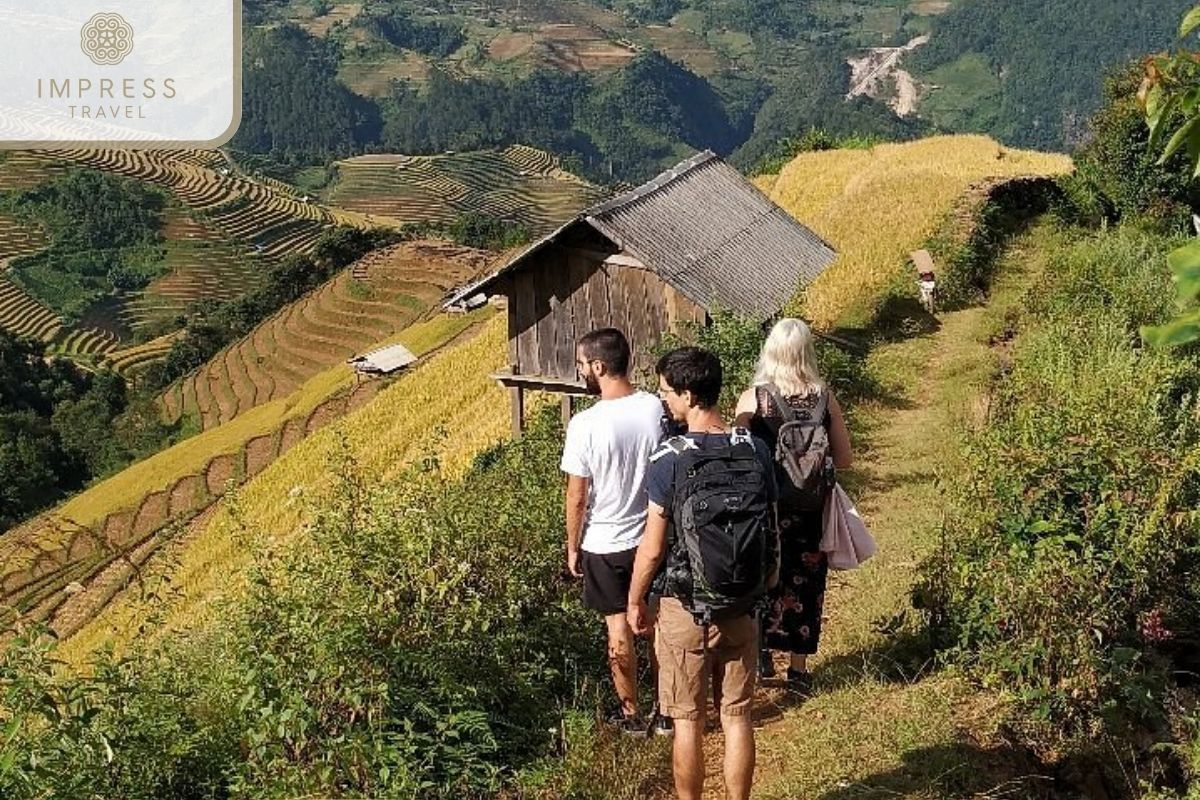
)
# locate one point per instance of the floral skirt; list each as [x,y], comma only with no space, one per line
[792,621]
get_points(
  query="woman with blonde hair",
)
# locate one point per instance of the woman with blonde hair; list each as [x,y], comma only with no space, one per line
[788,388]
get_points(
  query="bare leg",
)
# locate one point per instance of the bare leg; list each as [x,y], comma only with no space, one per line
[650,634]
[799,663]
[622,660]
[739,756]
[688,758]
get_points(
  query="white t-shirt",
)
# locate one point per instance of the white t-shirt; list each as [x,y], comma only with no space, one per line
[610,443]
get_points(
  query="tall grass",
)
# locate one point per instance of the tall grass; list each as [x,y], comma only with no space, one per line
[1068,579]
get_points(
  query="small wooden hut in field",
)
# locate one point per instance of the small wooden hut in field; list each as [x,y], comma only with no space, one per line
[696,238]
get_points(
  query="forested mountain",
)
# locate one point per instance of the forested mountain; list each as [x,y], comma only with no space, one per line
[1041,60]
[619,90]
[623,88]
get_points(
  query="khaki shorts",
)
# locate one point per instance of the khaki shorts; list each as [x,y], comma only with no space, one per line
[732,658]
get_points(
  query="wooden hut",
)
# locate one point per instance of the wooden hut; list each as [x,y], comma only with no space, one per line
[698,237]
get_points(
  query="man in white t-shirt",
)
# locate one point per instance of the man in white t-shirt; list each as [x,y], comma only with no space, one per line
[606,458]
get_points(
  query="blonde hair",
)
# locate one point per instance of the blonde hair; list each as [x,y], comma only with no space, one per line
[789,360]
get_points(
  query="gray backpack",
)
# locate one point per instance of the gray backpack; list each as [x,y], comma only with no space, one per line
[803,465]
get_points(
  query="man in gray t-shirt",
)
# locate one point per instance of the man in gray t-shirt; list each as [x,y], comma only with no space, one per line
[606,457]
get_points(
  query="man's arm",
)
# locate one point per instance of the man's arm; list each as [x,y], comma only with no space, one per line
[576,512]
[650,554]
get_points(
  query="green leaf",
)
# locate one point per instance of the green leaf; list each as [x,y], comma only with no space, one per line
[1190,22]
[1185,269]
[1182,136]
[1158,120]
[1154,101]
[1182,330]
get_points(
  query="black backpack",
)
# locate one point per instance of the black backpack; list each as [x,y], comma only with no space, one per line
[722,528]
[804,467]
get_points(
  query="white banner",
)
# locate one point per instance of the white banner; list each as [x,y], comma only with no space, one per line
[119,73]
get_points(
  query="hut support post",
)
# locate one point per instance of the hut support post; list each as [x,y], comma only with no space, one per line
[568,408]
[517,394]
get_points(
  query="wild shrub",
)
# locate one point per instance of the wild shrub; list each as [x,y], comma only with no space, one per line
[1118,173]
[133,728]
[1068,573]
[420,641]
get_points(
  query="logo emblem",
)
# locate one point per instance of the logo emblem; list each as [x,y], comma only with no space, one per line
[107,39]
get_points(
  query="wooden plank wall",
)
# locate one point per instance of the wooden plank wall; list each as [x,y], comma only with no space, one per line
[567,293]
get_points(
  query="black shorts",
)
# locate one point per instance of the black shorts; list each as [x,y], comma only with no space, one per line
[606,579]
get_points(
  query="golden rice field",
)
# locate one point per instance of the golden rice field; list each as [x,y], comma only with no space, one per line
[876,206]
[17,239]
[447,408]
[40,557]
[379,295]
[24,315]
[192,454]
[127,361]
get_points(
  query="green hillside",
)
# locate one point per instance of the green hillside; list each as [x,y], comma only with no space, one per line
[1027,71]
[736,77]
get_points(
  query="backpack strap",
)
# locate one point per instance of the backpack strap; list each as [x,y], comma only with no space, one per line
[789,414]
[740,436]
[786,412]
[821,411]
[676,445]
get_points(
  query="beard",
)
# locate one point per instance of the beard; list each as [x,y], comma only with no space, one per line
[591,384]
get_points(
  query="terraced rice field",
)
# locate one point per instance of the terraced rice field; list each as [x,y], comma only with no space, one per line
[582,48]
[200,265]
[98,538]
[387,435]
[86,343]
[225,225]
[24,169]
[23,315]
[127,361]
[20,312]
[520,183]
[18,239]
[273,222]
[320,25]
[378,296]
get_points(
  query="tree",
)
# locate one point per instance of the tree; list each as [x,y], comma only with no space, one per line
[1170,98]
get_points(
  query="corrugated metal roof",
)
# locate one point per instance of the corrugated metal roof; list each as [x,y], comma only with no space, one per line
[383,360]
[711,234]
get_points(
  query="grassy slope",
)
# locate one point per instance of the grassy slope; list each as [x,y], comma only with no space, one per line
[876,206]
[968,98]
[883,722]
[446,409]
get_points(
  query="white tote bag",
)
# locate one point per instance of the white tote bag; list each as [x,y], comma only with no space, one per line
[846,541]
